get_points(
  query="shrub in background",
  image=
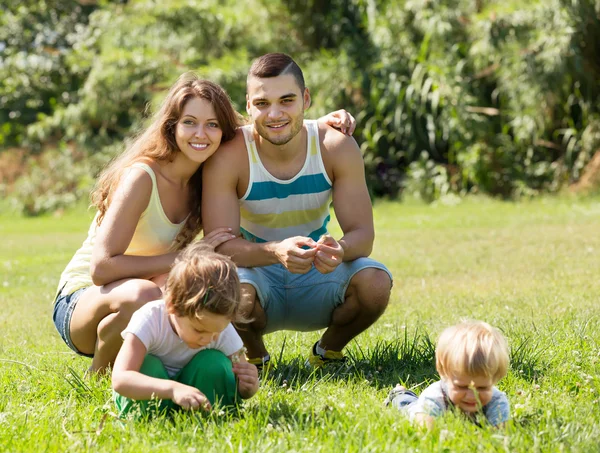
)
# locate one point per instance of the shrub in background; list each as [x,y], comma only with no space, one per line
[451,96]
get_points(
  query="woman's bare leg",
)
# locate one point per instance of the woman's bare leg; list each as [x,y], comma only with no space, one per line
[103,312]
[161,281]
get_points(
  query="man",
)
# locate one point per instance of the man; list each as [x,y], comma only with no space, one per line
[274,183]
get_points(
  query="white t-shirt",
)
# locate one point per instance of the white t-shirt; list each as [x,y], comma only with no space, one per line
[151,325]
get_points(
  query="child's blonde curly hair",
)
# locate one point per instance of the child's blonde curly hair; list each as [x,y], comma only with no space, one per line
[473,348]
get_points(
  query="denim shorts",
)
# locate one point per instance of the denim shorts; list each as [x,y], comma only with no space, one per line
[302,302]
[63,311]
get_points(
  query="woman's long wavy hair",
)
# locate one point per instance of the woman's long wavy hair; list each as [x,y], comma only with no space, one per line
[158,142]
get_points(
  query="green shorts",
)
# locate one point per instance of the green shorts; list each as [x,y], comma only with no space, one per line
[302,302]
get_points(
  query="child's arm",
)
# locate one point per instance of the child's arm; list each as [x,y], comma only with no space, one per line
[429,406]
[497,411]
[246,373]
[129,382]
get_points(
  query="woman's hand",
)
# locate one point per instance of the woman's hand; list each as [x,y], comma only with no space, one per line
[217,237]
[341,120]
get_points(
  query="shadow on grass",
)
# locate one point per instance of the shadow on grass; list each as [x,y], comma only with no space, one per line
[526,358]
[410,360]
[279,413]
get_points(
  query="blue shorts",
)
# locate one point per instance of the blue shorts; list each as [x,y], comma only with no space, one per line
[63,311]
[302,302]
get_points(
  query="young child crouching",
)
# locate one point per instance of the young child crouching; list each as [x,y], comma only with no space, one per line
[471,358]
[183,351]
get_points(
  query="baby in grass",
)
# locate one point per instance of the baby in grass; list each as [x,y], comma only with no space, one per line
[471,358]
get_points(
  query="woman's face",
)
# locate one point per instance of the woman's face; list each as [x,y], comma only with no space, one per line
[198,132]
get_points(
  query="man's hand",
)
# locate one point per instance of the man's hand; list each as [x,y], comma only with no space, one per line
[341,120]
[290,253]
[190,398]
[247,376]
[329,254]
[216,237]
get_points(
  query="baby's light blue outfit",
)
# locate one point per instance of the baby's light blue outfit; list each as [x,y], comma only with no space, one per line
[434,402]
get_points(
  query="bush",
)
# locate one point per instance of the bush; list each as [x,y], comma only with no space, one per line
[502,98]
[53,181]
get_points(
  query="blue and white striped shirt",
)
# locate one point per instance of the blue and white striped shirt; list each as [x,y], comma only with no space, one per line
[273,209]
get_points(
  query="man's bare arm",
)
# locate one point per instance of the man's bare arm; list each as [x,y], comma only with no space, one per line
[220,206]
[351,201]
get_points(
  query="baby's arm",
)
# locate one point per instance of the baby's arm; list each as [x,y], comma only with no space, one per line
[246,373]
[129,382]
[497,411]
[429,406]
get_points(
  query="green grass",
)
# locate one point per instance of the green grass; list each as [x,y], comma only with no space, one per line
[529,268]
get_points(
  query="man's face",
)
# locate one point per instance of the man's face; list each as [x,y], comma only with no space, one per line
[276,106]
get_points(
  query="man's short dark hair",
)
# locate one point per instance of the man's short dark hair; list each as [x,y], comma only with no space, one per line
[276,64]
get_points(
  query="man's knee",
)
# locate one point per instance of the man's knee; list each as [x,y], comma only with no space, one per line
[372,288]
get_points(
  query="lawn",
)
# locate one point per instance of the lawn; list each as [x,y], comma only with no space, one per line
[529,268]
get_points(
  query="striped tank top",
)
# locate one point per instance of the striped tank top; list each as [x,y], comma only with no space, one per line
[273,209]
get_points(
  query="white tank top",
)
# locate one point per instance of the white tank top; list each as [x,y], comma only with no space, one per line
[154,235]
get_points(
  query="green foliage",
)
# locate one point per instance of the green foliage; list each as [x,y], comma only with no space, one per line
[36,40]
[426,180]
[503,98]
[53,181]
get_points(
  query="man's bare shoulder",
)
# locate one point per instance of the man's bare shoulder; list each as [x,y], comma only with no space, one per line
[338,151]
[334,142]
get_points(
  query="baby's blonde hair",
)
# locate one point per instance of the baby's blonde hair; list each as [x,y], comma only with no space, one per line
[473,348]
[203,280]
